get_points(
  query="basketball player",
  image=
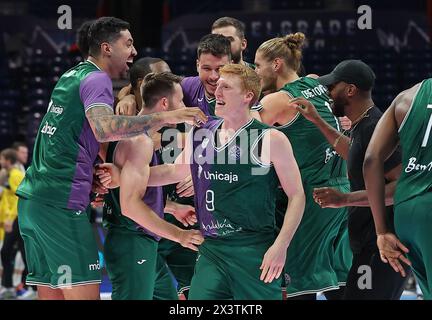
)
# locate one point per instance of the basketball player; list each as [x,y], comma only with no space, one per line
[232,158]
[59,242]
[407,122]
[82,38]
[134,213]
[319,256]
[180,260]
[214,51]
[130,101]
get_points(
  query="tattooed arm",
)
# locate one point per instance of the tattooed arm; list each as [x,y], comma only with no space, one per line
[109,127]
[97,98]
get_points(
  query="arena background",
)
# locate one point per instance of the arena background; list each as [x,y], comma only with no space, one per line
[34,52]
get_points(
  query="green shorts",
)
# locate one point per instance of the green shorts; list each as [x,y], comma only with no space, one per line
[135,268]
[180,261]
[343,255]
[60,246]
[227,270]
[413,225]
[319,256]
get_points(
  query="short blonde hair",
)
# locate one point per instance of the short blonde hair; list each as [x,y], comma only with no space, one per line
[249,79]
[288,47]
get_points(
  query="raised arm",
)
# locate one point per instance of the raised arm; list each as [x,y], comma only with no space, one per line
[134,157]
[109,127]
[339,141]
[161,175]
[97,98]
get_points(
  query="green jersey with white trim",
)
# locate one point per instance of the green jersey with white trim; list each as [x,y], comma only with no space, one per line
[65,149]
[414,134]
[317,160]
[234,192]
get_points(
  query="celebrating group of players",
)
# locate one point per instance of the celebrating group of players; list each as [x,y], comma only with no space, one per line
[250,200]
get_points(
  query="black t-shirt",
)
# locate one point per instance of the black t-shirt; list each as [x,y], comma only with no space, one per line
[361,226]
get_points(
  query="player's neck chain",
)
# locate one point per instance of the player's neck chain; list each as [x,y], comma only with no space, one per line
[360,118]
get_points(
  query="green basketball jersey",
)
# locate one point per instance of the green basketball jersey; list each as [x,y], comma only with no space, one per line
[414,134]
[230,199]
[65,149]
[317,160]
[211,105]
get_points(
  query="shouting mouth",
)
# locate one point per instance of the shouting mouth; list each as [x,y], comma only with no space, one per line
[220,103]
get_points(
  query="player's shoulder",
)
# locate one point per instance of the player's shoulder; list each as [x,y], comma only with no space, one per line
[276,143]
[96,76]
[141,142]
[136,150]
[95,80]
[408,94]
[404,100]
[84,69]
[275,99]
[189,83]
[135,145]
[274,137]
[277,135]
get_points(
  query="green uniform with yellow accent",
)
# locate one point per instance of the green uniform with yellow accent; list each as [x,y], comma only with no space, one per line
[413,197]
[319,256]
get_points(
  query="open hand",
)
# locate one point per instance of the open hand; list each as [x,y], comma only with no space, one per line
[193,116]
[273,263]
[392,251]
[306,108]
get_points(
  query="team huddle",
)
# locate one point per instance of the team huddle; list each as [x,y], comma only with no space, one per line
[239,183]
